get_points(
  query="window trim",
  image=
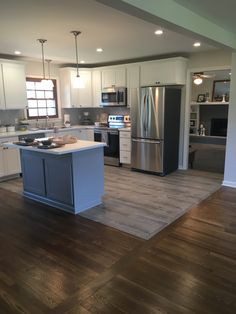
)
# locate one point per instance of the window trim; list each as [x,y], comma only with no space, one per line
[35,79]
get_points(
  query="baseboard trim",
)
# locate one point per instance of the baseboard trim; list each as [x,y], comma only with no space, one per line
[231,184]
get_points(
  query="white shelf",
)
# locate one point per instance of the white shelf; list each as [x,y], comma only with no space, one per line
[210,103]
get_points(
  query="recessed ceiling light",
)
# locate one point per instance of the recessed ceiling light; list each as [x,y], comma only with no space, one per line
[17,52]
[197,44]
[99,50]
[159,32]
[82,61]
[229,73]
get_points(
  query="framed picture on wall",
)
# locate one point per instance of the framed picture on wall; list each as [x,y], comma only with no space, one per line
[221,90]
[201,98]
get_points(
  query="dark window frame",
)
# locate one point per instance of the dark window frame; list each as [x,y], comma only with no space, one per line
[34,79]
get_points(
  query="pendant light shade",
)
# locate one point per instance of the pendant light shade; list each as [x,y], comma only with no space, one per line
[77,80]
[50,82]
[47,84]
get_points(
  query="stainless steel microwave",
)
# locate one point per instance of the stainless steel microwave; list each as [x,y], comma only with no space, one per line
[114,96]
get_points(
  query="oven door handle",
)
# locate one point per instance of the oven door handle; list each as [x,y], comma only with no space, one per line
[105,137]
[113,132]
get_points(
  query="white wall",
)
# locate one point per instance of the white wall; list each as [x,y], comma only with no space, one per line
[218,58]
[36,69]
[208,61]
[230,158]
[205,61]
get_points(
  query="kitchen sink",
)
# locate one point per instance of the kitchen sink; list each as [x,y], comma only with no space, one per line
[41,128]
[49,128]
[46,128]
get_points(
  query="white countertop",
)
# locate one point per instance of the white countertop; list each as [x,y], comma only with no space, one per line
[60,129]
[66,149]
[33,131]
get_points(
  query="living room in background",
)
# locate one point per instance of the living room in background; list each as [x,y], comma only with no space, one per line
[42,100]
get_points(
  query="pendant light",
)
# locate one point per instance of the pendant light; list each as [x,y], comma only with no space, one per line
[50,82]
[77,80]
[47,84]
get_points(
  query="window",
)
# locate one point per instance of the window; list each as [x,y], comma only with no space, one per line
[41,102]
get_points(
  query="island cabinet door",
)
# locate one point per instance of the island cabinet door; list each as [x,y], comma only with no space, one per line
[58,179]
[33,173]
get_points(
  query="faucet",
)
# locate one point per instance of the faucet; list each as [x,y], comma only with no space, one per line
[46,122]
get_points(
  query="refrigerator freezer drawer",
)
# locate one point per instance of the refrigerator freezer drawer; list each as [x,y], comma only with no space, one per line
[147,155]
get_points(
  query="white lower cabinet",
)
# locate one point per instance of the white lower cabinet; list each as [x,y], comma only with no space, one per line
[9,159]
[125,147]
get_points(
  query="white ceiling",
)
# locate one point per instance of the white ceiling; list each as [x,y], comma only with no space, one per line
[120,35]
[219,12]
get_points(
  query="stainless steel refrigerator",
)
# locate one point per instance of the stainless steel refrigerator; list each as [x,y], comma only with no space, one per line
[155,122]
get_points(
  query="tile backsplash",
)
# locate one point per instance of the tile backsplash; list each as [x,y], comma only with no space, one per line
[78,115]
[8,117]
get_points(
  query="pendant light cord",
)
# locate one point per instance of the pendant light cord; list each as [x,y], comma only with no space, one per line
[42,41]
[49,72]
[76,33]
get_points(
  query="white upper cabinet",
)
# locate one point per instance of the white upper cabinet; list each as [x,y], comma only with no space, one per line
[166,71]
[133,84]
[12,85]
[96,87]
[75,97]
[115,76]
[82,97]
[132,76]
[2,98]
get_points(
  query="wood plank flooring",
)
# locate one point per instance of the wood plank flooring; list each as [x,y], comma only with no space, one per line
[143,204]
[55,263]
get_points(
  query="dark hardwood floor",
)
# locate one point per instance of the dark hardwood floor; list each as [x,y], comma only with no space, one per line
[53,262]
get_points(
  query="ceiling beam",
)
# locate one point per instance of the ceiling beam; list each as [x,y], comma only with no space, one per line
[169,14]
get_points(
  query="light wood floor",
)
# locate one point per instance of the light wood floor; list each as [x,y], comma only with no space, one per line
[52,262]
[143,204]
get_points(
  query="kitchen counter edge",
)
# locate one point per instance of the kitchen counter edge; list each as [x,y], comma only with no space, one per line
[66,149]
[27,132]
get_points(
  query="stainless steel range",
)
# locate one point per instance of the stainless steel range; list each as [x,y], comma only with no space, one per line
[110,135]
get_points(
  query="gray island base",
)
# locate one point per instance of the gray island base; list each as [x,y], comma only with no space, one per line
[70,178]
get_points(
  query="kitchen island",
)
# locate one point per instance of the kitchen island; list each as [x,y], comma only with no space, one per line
[70,177]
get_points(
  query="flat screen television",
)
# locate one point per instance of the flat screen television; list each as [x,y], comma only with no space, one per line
[219,127]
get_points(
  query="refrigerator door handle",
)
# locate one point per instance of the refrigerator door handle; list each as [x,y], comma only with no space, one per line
[146,141]
[144,112]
